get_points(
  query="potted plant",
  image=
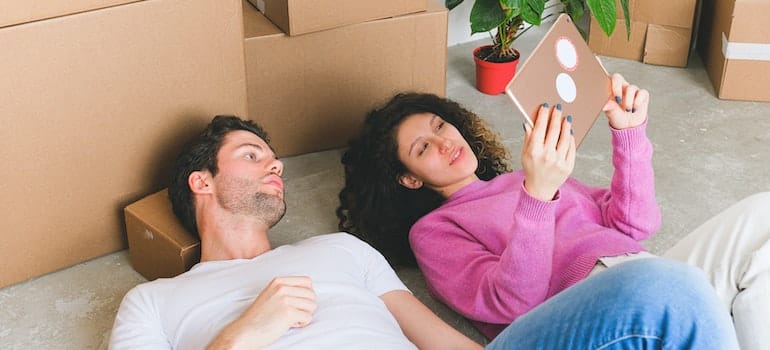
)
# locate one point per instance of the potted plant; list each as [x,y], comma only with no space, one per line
[496,63]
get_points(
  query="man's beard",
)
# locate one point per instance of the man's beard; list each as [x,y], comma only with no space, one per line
[237,199]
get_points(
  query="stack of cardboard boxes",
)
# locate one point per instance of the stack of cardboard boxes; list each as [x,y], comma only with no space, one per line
[98,96]
[734,45]
[661,32]
[95,98]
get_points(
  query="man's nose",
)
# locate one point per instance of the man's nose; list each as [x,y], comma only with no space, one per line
[276,167]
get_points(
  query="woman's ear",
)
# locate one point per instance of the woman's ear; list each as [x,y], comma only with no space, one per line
[200,181]
[409,181]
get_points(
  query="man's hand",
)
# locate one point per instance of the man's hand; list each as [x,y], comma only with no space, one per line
[286,302]
[548,154]
[627,107]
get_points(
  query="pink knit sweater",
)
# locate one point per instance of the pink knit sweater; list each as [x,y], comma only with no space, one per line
[492,252]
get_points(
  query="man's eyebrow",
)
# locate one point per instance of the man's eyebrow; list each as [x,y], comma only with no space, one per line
[251,145]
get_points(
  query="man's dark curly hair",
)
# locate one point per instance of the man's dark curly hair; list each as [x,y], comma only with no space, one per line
[200,153]
[373,205]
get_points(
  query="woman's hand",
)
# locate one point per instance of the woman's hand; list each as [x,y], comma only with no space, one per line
[627,108]
[548,154]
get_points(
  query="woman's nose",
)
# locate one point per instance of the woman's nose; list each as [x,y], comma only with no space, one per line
[444,145]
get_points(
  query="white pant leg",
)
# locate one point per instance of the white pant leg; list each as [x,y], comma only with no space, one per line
[733,248]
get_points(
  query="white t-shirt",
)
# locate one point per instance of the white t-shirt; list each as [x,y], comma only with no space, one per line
[188,311]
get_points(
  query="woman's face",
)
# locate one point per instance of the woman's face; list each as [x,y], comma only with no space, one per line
[435,154]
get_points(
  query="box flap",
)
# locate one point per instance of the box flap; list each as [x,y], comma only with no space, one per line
[678,13]
[666,45]
[748,22]
[618,45]
[15,12]
[155,210]
[255,24]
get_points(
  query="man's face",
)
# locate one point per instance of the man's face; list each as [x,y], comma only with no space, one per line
[249,178]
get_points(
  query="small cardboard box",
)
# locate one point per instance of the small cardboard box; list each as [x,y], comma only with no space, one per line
[734,44]
[297,17]
[312,92]
[158,245]
[93,108]
[661,32]
[22,11]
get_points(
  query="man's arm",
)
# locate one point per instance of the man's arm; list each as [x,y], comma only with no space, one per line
[423,327]
[287,302]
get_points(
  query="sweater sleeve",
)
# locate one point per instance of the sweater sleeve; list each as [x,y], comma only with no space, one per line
[493,283]
[630,205]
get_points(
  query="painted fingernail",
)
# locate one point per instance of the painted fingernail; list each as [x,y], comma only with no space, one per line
[617,99]
[569,119]
[545,105]
[558,106]
[633,110]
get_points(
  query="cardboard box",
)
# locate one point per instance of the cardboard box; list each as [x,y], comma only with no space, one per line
[312,92]
[297,17]
[94,107]
[661,32]
[159,246]
[736,49]
[23,11]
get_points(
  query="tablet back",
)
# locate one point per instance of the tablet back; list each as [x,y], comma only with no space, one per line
[562,69]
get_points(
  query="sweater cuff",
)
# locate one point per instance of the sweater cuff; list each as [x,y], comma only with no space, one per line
[627,138]
[535,209]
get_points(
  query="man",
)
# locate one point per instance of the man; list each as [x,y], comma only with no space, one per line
[334,292]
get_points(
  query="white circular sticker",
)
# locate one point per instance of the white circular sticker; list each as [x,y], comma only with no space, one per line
[566,88]
[566,54]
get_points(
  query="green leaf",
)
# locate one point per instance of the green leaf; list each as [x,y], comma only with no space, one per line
[575,9]
[486,15]
[605,13]
[627,16]
[532,11]
[450,4]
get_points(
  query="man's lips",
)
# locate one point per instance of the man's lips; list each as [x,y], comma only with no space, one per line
[274,180]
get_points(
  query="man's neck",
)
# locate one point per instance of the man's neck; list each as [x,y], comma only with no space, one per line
[244,239]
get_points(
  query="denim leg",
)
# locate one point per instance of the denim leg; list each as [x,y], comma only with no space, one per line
[640,304]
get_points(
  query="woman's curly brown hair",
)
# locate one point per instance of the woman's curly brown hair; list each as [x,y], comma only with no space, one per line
[373,205]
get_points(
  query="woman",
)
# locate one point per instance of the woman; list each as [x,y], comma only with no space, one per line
[493,244]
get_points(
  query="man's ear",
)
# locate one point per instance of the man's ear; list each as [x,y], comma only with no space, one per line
[409,181]
[200,181]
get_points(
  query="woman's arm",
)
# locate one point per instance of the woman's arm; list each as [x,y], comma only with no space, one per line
[423,327]
[630,205]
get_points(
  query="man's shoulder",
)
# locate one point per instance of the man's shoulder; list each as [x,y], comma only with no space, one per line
[332,239]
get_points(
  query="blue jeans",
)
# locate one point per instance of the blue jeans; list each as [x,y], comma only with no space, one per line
[642,304]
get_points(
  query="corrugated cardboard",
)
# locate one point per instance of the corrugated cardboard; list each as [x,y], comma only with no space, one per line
[734,42]
[159,246]
[312,92]
[93,108]
[661,31]
[22,11]
[297,17]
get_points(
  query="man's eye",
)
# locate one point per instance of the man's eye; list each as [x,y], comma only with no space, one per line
[250,156]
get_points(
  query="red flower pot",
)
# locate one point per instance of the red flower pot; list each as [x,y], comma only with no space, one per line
[493,77]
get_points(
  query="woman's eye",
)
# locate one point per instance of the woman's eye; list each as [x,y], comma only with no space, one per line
[422,149]
[250,156]
[440,126]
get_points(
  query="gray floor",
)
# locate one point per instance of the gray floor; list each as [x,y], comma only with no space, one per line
[709,153]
